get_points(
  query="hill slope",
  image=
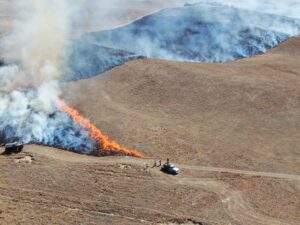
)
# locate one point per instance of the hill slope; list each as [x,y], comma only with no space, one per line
[242,114]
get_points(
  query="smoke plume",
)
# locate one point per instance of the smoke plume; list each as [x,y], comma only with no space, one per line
[30,108]
[38,40]
[30,83]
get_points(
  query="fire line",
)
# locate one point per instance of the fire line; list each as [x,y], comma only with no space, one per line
[105,145]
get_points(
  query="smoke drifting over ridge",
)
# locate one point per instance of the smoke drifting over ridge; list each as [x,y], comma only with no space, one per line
[200,32]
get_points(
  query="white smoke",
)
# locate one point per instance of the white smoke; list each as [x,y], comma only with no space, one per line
[38,40]
[30,83]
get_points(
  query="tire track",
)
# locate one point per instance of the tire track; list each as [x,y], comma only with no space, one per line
[234,203]
[77,158]
[244,172]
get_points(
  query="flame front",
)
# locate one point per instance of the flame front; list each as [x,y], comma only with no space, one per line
[105,145]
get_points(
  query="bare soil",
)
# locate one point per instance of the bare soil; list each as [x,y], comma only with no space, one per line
[58,187]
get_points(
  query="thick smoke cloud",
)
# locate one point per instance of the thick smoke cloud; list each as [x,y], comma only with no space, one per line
[38,39]
[29,84]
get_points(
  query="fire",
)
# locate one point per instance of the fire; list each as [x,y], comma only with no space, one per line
[105,145]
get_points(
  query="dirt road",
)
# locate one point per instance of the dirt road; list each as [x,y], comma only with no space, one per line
[119,190]
[70,157]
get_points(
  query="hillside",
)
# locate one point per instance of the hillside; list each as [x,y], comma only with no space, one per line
[242,114]
[232,128]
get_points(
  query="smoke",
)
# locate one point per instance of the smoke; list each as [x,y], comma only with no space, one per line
[38,39]
[30,83]
[106,14]
[30,116]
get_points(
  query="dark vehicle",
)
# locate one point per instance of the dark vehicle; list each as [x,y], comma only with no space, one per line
[15,147]
[169,168]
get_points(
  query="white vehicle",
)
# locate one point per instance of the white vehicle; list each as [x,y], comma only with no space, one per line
[170,168]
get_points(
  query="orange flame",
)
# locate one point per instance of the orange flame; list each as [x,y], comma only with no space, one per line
[106,146]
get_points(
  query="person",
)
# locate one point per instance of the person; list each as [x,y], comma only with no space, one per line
[154,165]
[159,165]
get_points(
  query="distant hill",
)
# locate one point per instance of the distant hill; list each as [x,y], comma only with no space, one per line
[200,32]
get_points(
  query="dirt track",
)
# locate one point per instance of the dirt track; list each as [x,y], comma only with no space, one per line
[70,157]
[82,189]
